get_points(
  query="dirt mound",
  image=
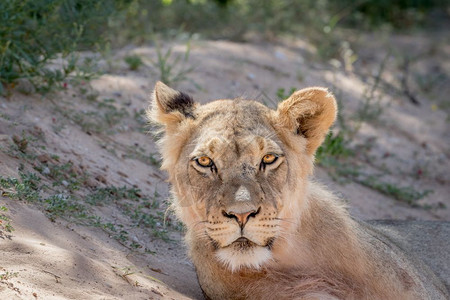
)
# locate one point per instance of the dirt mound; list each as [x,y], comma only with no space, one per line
[80,173]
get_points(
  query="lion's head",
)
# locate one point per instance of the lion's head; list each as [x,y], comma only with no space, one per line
[239,169]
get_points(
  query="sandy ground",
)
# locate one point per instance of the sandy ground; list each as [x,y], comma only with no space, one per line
[58,258]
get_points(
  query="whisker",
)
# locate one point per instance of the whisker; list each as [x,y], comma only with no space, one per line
[285,220]
[200,223]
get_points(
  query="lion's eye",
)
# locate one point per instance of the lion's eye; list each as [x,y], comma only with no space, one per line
[269,159]
[204,161]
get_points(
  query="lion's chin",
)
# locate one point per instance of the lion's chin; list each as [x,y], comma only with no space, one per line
[241,255]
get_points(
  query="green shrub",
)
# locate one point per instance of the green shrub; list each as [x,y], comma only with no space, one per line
[133,62]
[334,145]
[32,32]
[5,222]
[398,13]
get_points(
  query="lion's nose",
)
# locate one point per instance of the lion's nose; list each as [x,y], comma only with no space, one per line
[241,218]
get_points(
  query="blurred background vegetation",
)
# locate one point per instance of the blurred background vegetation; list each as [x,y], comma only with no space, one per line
[33,32]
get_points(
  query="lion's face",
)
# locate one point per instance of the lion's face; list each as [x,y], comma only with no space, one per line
[234,169]
[234,166]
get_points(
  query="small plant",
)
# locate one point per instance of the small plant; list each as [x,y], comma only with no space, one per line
[427,82]
[112,193]
[405,194]
[20,146]
[24,189]
[121,236]
[282,94]
[62,204]
[134,62]
[5,221]
[8,275]
[111,115]
[172,69]
[334,145]
[149,159]
[105,118]
[371,108]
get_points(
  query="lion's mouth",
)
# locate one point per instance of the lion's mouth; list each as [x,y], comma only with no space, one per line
[242,240]
[243,243]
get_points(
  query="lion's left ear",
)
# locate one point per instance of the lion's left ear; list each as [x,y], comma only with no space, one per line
[309,112]
[170,107]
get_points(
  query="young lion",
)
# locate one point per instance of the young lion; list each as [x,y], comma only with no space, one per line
[257,226]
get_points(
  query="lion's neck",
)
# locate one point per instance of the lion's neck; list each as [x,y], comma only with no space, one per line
[328,245]
[325,238]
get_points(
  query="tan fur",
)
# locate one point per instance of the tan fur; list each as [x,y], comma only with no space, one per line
[304,245]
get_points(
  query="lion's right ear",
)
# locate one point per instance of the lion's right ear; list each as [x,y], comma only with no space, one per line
[309,113]
[169,107]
